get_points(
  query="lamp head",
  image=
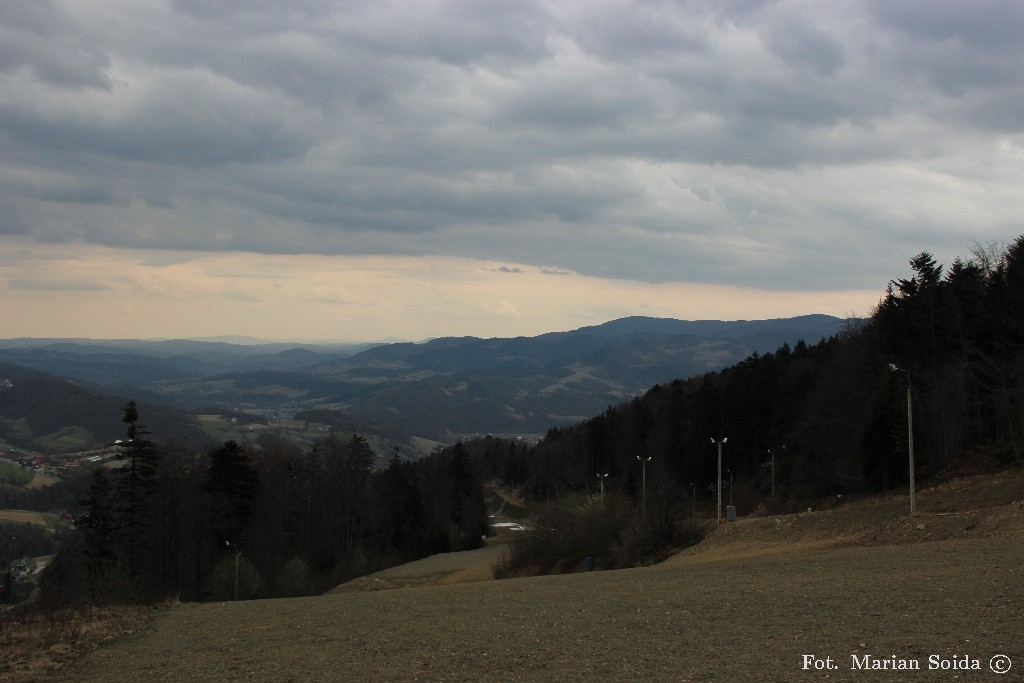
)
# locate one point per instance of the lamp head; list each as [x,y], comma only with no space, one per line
[892,367]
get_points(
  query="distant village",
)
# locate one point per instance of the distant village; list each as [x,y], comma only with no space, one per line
[52,464]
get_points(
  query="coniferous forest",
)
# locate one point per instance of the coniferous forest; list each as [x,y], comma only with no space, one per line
[273,520]
[804,424]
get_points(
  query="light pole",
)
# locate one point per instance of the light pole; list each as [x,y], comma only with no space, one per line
[238,553]
[601,478]
[718,483]
[771,454]
[643,503]
[693,505]
[910,432]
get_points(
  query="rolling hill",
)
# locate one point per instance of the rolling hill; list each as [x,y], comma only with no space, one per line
[435,389]
[46,413]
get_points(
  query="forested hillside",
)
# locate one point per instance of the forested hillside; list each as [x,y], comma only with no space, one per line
[36,409]
[432,389]
[831,415]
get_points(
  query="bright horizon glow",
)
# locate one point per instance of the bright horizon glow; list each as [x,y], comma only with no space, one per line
[89,291]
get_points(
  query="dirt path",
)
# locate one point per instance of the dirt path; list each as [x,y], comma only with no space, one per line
[447,568]
[436,570]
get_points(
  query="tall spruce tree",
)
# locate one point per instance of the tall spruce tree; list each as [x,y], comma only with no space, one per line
[98,528]
[137,496]
[468,509]
[229,487]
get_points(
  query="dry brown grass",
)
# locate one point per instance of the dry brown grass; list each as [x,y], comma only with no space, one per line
[39,480]
[35,644]
[23,517]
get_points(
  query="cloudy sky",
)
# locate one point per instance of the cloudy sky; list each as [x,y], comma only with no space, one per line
[414,168]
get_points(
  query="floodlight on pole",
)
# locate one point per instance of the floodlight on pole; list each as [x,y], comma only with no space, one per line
[693,505]
[718,483]
[601,478]
[910,432]
[238,554]
[643,503]
[771,454]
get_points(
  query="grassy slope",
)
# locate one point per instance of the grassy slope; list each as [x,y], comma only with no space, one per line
[744,605]
[747,619]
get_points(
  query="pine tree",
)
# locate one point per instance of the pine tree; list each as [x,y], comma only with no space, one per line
[230,485]
[136,494]
[400,510]
[468,510]
[98,524]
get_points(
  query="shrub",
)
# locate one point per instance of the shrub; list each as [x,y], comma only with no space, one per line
[294,579]
[560,536]
[39,640]
[220,583]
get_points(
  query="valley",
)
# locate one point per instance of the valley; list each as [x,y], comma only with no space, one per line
[400,394]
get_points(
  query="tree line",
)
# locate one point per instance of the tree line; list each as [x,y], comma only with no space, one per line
[268,519]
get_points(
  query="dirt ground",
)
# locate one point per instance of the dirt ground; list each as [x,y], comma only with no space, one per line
[764,599]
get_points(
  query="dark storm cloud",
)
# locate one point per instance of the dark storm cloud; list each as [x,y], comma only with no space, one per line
[773,144]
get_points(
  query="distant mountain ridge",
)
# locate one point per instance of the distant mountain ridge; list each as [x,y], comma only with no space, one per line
[435,388]
[452,353]
[725,329]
